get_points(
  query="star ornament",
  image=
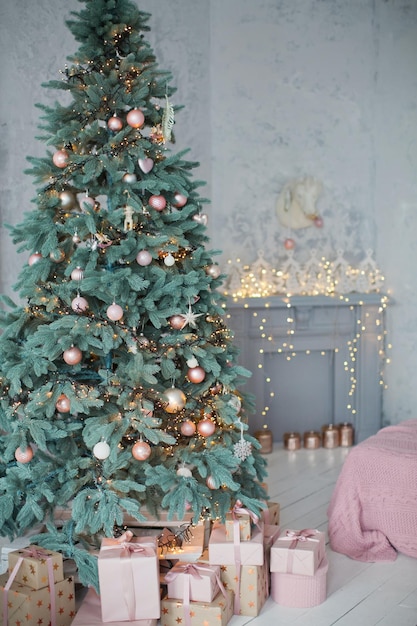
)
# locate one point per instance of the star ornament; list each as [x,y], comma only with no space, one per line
[190,318]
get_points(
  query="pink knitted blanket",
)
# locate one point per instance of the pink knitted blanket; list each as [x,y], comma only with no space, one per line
[373,509]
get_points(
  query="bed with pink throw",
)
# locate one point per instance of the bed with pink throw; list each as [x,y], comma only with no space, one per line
[373,510]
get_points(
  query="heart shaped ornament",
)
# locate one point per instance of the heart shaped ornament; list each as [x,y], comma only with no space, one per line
[200,218]
[145,165]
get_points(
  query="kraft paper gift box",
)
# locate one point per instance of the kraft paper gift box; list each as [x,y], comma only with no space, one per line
[298,591]
[270,514]
[271,534]
[254,587]
[222,551]
[298,552]
[34,564]
[240,519]
[89,614]
[128,571]
[216,613]
[32,607]
[16,544]
[200,582]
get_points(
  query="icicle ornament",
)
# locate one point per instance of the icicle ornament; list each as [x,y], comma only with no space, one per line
[168,119]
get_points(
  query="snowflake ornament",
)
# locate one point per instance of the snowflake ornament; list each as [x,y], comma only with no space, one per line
[242,449]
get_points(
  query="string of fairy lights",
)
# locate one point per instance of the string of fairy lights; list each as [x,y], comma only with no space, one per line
[260,280]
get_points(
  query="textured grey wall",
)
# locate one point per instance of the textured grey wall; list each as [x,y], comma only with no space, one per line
[272,89]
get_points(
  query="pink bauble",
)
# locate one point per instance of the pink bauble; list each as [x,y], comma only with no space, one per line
[79,304]
[289,244]
[23,456]
[176,322]
[60,158]
[135,118]
[88,200]
[211,483]
[101,450]
[188,428]
[141,451]
[129,178]
[206,427]
[63,405]
[174,400]
[179,200]
[114,312]
[318,222]
[196,374]
[213,271]
[72,356]
[34,258]
[77,273]
[157,202]
[115,123]
[146,165]
[144,258]
[216,389]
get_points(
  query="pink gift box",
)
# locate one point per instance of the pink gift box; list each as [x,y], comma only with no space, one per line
[298,552]
[89,614]
[200,581]
[222,551]
[297,591]
[129,579]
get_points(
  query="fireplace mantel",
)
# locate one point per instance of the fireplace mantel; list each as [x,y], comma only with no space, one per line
[314,360]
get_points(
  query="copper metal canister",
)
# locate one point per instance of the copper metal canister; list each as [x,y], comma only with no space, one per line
[312,439]
[331,436]
[265,438]
[347,433]
[292,441]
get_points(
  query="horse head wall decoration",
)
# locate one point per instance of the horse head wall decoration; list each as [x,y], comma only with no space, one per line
[296,204]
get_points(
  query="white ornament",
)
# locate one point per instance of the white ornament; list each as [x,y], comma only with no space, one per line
[190,318]
[128,225]
[184,471]
[192,362]
[101,450]
[169,260]
[242,449]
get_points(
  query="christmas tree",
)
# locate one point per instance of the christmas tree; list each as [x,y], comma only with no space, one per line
[119,378]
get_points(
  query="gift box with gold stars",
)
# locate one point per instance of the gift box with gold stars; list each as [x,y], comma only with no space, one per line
[31,607]
[254,587]
[35,564]
[216,613]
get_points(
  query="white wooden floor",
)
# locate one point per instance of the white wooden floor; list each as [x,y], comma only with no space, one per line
[359,594]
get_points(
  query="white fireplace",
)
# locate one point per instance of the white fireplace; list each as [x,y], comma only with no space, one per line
[314,360]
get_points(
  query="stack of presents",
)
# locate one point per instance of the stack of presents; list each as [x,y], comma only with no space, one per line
[220,570]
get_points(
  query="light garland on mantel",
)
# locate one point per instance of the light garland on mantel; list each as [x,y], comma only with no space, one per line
[317,276]
[334,278]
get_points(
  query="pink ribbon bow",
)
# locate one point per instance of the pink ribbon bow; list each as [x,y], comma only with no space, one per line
[123,543]
[37,554]
[296,536]
[237,511]
[191,571]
